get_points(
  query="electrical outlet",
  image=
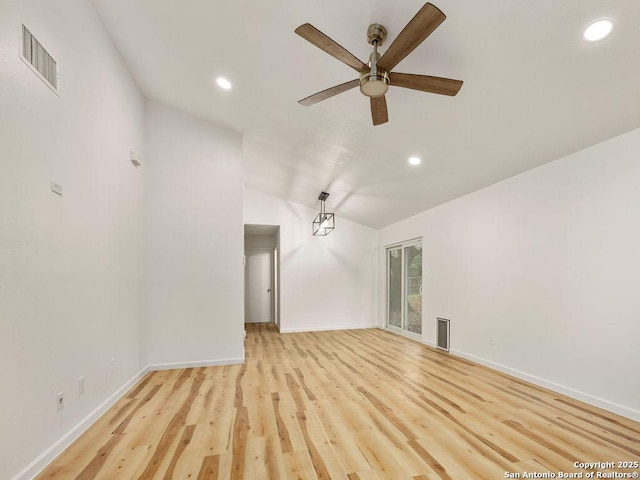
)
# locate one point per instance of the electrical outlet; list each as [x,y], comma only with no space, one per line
[113,364]
[56,188]
[81,385]
[60,401]
[492,340]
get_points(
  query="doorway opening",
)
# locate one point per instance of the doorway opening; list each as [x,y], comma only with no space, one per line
[262,274]
[404,288]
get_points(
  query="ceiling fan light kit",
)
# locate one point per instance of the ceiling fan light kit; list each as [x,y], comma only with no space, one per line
[374,85]
[376,76]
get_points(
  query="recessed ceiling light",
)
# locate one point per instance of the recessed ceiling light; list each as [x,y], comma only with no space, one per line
[598,30]
[415,161]
[223,83]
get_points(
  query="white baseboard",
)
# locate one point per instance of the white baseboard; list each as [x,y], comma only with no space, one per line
[195,364]
[327,329]
[429,343]
[35,467]
[628,412]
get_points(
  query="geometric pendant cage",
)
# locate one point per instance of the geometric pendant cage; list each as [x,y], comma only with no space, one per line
[325,222]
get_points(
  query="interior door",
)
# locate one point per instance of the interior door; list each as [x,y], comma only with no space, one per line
[258,288]
[404,287]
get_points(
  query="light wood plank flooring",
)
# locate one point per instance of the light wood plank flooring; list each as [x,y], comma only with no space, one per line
[355,405]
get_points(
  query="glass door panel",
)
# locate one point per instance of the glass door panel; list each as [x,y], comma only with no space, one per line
[413,288]
[394,267]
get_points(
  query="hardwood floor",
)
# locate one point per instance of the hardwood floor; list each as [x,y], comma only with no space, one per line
[356,405]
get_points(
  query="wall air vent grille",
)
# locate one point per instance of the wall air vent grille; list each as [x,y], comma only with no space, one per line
[35,55]
[443,334]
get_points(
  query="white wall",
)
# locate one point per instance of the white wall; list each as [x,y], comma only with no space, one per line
[547,262]
[71,267]
[195,240]
[325,282]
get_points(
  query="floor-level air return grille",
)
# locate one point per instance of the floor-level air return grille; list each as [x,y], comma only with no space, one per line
[39,59]
[443,334]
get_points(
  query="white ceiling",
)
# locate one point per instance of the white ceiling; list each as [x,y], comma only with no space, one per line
[533,91]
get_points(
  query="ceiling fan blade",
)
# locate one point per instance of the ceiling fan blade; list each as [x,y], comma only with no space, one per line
[324,43]
[329,92]
[379,112]
[417,30]
[426,83]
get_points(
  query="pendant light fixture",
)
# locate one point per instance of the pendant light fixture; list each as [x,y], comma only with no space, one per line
[324,223]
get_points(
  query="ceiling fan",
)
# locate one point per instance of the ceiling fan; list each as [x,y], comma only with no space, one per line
[376,75]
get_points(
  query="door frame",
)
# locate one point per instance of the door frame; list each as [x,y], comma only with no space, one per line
[403,322]
[257,235]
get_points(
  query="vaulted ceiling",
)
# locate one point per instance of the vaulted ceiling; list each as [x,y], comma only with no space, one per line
[533,91]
